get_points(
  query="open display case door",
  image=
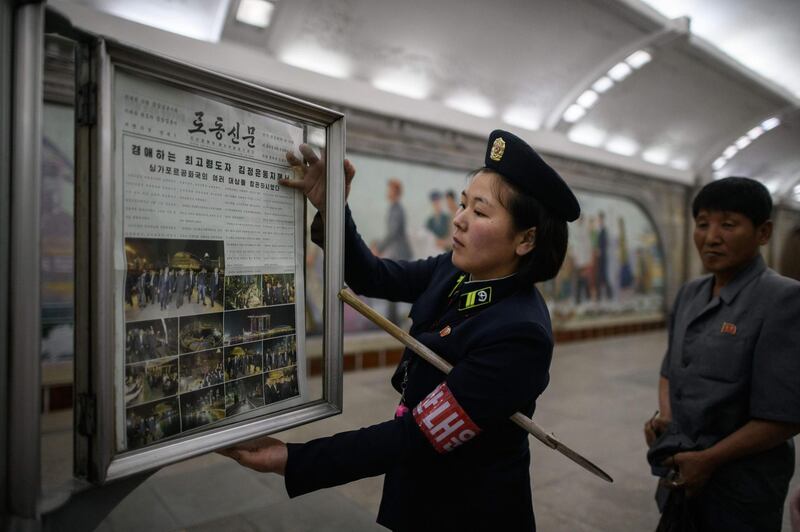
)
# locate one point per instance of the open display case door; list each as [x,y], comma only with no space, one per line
[190,270]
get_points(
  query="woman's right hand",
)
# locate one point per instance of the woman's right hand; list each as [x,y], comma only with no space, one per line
[310,176]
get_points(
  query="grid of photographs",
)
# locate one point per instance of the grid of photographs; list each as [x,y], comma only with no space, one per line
[201,346]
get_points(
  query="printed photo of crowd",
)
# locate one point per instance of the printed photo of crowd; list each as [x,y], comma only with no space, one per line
[148,381]
[243,291]
[173,277]
[187,371]
[243,361]
[201,370]
[150,340]
[280,352]
[281,384]
[211,347]
[278,289]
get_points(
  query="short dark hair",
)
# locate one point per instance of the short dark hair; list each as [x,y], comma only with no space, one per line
[736,194]
[547,256]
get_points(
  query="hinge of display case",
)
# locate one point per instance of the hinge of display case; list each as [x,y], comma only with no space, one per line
[87,414]
[86,105]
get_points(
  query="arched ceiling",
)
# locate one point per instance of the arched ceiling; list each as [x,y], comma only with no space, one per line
[703,83]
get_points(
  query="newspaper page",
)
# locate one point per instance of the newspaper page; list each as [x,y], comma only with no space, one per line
[209,263]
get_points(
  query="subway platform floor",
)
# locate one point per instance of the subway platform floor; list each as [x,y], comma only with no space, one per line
[600,394]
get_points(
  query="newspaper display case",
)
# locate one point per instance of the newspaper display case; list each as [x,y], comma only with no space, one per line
[190,281]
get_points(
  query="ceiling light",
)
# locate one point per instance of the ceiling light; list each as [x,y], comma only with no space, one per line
[730,151]
[655,155]
[587,134]
[587,99]
[719,163]
[770,123]
[255,12]
[796,192]
[622,146]
[743,142]
[403,83]
[620,71]
[316,59]
[573,113]
[679,164]
[473,104]
[639,58]
[602,84]
[755,132]
[524,117]
[203,20]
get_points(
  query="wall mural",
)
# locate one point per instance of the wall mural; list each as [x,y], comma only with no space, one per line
[613,273]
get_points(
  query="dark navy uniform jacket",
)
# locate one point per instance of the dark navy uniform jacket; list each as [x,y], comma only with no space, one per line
[733,358]
[475,476]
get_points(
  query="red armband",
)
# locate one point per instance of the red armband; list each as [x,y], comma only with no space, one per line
[442,420]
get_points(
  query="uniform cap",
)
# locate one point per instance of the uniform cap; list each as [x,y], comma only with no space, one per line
[514,159]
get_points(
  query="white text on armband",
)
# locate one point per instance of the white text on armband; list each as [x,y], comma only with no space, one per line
[442,420]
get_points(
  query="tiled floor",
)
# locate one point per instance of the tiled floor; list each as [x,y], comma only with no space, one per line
[600,394]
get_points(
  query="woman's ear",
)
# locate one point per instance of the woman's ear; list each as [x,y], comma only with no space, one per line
[527,243]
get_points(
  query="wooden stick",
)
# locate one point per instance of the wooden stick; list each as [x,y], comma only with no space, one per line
[445,367]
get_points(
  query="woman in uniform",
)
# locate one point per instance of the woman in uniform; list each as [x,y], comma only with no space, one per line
[451,456]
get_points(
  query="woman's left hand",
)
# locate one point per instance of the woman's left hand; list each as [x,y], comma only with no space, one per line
[311,176]
[267,455]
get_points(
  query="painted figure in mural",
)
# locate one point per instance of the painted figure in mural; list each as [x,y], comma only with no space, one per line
[438,223]
[477,306]
[602,284]
[729,388]
[643,275]
[581,245]
[625,270]
[452,203]
[395,244]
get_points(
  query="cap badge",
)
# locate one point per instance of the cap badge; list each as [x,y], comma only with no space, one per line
[498,149]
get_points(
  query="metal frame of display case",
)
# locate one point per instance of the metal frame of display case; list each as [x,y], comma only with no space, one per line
[96,457]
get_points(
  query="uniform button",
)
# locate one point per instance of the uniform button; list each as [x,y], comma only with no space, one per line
[678,395]
[684,363]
